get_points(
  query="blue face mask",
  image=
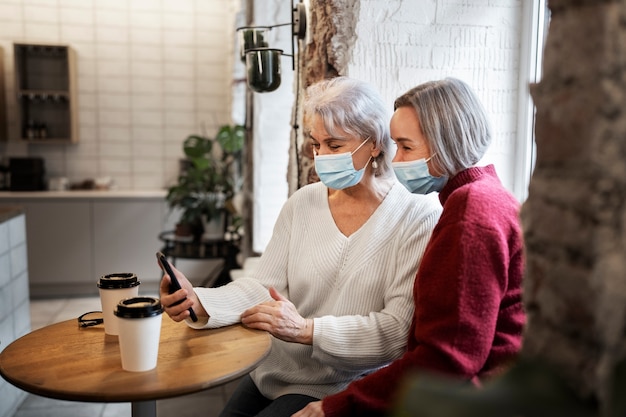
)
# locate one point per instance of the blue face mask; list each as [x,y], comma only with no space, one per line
[415,177]
[337,171]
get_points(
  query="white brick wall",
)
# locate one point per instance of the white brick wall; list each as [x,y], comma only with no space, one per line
[405,42]
[398,45]
[272,128]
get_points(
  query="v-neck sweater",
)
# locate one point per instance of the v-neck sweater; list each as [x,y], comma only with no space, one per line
[357,289]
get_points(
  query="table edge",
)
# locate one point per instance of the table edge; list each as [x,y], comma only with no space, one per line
[154,395]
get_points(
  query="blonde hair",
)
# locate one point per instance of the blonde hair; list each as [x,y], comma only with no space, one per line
[453,120]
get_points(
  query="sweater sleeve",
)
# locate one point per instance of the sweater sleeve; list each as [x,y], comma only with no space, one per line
[226,304]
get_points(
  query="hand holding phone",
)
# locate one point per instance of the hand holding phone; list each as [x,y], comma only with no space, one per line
[174,285]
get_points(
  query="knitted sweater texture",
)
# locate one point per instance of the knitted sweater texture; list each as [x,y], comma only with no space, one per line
[468,296]
[356,288]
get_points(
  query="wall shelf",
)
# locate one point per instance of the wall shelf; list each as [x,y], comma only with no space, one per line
[45,83]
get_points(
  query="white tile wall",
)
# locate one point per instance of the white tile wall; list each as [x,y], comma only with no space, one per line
[149,74]
[14,299]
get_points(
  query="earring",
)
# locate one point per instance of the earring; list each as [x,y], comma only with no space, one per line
[374,164]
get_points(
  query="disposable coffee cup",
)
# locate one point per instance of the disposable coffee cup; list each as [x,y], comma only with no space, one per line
[113,288]
[139,332]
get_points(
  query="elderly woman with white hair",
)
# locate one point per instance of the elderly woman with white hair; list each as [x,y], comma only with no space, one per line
[333,286]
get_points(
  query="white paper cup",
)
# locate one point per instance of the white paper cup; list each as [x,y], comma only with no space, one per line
[139,320]
[113,288]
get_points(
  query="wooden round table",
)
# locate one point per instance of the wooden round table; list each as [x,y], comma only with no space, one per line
[67,362]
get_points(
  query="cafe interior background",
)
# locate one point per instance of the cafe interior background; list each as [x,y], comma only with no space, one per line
[151,72]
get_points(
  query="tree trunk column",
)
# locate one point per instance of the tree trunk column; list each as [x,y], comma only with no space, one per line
[574,219]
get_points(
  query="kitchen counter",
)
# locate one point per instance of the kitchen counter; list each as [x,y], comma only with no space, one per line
[74,237]
[9,211]
[95,194]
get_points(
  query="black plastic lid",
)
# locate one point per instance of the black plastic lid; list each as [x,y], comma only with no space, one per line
[139,307]
[118,280]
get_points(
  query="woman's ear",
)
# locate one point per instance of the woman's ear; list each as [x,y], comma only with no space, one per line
[375,151]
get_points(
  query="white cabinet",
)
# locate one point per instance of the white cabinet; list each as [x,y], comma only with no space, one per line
[75,238]
[59,246]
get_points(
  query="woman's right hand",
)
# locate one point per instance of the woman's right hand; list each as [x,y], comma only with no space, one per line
[179,312]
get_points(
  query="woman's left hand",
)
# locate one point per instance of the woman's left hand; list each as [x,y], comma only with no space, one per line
[281,319]
[313,409]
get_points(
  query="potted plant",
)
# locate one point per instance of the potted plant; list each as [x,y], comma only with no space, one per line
[210,177]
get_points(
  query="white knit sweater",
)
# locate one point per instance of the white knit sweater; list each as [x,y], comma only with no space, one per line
[358,289]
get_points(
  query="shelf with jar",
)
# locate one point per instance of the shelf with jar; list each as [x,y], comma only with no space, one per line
[45,81]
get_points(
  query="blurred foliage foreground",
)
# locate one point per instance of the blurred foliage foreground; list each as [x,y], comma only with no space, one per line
[528,389]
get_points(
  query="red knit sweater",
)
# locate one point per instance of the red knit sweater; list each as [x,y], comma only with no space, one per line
[468,297]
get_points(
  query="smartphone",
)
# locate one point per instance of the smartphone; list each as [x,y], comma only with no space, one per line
[175,285]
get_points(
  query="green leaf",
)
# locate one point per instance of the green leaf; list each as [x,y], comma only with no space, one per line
[196,146]
[212,167]
[231,138]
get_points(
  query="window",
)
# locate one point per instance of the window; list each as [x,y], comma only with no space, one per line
[537,18]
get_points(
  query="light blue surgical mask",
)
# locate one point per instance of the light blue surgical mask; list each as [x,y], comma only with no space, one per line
[337,171]
[415,177]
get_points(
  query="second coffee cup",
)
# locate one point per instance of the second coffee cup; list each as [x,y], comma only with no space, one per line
[113,288]
[140,331]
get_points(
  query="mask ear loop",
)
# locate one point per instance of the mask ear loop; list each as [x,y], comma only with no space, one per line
[367,163]
[351,153]
[360,146]
[430,157]
[370,158]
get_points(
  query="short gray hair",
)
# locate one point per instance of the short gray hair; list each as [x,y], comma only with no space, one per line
[453,121]
[355,107]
